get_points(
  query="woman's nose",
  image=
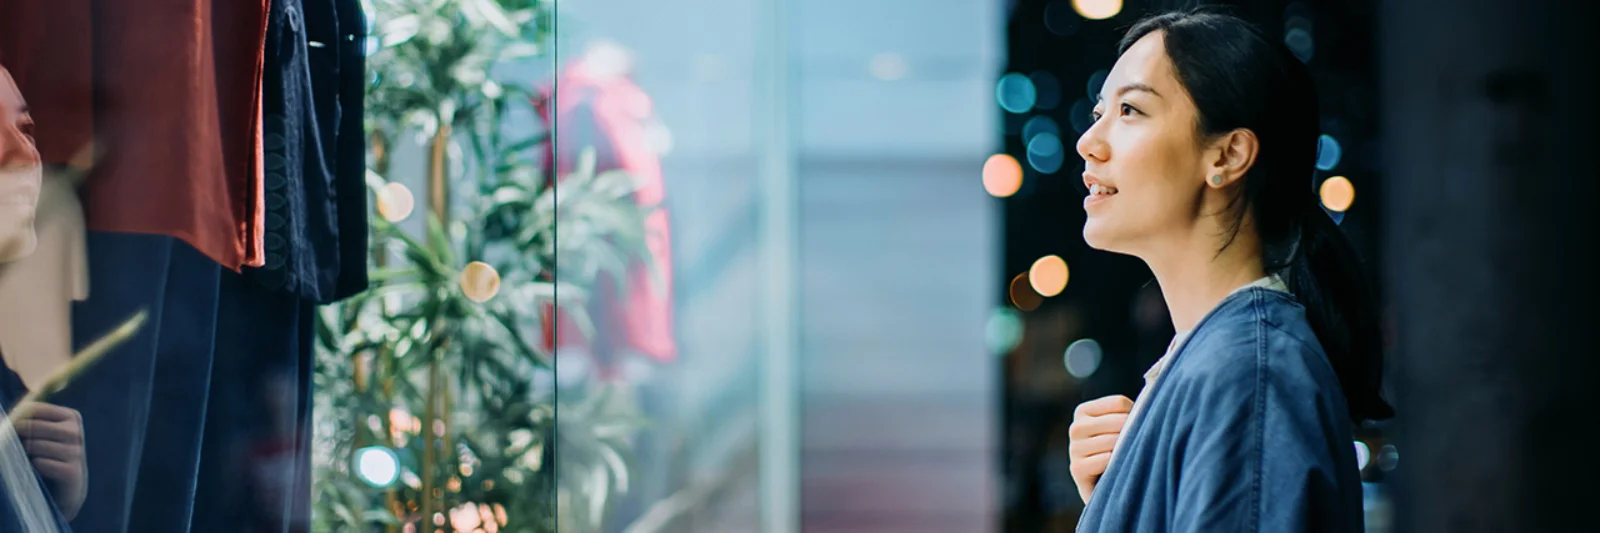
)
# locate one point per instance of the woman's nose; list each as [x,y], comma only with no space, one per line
[1090,146]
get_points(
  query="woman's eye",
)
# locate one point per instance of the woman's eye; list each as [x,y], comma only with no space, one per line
[1094,116]
[1128,109]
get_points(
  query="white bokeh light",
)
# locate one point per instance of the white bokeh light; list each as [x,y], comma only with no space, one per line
[377,465]
[1083,358]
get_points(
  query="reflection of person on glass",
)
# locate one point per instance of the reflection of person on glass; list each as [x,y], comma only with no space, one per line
[52,435]
[1199,161]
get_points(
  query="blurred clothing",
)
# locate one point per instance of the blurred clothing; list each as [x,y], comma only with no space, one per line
[1151,376]
[1246,430]
[175,417]
[169,90]
[12,390]
[612,115]
[47,44]
[315,229]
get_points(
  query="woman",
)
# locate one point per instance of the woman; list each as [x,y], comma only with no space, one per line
[51,436]
[1199,161]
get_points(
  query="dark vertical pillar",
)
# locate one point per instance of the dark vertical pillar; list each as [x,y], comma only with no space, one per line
[1490,131]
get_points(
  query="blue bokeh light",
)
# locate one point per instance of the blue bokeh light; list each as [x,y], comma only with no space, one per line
[1096,82]
[1328,152]
[1300,43]
[1083,358]
[1045,153]
[1003,331]
[1079,115]
[1037,125]
[1016,93]
[1047,90]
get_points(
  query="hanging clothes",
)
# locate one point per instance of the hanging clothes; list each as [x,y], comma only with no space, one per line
[178,208]
[144,404]
[170,92]
[46,44]
[611,114]
[315,146]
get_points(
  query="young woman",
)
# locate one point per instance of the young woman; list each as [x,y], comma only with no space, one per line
[49,437]
[1200,162]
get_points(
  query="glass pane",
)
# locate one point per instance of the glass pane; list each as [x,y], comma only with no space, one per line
[659,400]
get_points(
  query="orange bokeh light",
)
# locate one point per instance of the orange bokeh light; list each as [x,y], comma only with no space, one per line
[1022,294]
[1097,9]
[1002,175]
[1048,275]
[1338,193]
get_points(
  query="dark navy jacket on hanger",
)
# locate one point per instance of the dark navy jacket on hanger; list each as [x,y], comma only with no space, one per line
[314,149]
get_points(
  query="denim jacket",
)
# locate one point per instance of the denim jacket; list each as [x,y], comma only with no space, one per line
[1246,431]
[12,390]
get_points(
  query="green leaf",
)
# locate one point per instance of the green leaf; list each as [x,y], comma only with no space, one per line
[441,242]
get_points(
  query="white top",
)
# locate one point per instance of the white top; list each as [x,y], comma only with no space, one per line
[1271,281]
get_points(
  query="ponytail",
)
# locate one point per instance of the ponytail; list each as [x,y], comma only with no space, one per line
[1240,77]
[1329,280]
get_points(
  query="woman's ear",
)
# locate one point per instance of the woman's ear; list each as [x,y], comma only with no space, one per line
[1230,156]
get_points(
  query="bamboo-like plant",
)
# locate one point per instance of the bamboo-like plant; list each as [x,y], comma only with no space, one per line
[436,373]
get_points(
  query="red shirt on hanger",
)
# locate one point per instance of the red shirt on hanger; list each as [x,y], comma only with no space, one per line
[611,113]
[170,91]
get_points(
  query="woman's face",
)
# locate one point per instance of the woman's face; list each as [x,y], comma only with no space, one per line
[16,128]
[1143,162]
[20,173]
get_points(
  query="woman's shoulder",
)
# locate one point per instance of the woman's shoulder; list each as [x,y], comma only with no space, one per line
[1255,334]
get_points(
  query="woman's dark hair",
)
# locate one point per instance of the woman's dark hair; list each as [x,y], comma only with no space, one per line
[1239,78]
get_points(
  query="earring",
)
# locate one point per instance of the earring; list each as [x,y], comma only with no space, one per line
[1216,180]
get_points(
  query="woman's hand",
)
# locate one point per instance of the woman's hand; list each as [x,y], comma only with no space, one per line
[1094,430]
[53,437]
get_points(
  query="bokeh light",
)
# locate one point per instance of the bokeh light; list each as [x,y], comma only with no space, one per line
[1003,331]
[1045,153]
[1363,455]
[1016,93]
[377,466]
[1022,294]
[1048,275]
[1095,83]
[1083,358]
[1080,115]
[1388,457]
[479,281]
[1097,9]
[1328,152]
[1061,19]
[395,202]
[1337,194]
[1047,90]
[1037,125]
[1300,43]
[1002,175]
[465,517]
